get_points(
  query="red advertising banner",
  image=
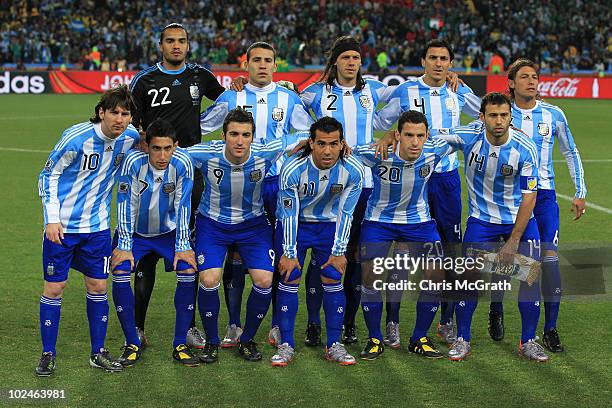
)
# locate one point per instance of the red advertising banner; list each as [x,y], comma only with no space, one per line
[100,81]
[561,86]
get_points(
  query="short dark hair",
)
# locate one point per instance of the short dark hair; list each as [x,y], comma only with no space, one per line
[326,124]
[411,116]
[438,44]
[160,128]
[117,96]
[494,98]
[170,26]
[514,68]
[239,115]
[260,44]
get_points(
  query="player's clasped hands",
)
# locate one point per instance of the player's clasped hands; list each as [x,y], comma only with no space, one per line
[119,256]
[185,256]
[54,232]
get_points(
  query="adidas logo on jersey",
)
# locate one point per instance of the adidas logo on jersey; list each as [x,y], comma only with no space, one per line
[435,93]
[159,180]
[324,178]
[347,93]
[109,148]
[261,101]
[493,155]
[526,117]
[176,82]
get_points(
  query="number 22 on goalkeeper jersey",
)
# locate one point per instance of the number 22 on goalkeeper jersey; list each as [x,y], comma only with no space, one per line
[152,202]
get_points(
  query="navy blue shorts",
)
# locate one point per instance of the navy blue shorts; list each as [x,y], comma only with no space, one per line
[377,237]
[88,253]
[484,235]
[270,195]
[358,215]
[162,245]
[546,213]
[444,195]
[317,236]
[252,239]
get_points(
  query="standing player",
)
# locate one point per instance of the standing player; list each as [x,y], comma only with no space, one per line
[276,111]
[153,203]
[171,90]
[442,106]
[231,213]
[319,190]
[76,190]
[343,94]
[501,170]
[544,123]
[398,210]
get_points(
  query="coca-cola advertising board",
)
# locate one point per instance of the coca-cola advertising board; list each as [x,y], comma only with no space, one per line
[561,86]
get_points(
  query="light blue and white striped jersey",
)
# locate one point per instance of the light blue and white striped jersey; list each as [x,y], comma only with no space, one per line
[77,181]
[152,202]
[543,123]
[400,187]
[440,105]
[496,176]
[355,110]
[233,192]
[311,195]
[276,110]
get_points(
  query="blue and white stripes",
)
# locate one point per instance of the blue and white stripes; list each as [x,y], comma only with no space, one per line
[97,298]
[152,202]
[308,194]
[543,124]
[77,180]
[50,301]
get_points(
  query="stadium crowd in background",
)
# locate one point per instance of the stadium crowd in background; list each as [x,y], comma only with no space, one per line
[106,35]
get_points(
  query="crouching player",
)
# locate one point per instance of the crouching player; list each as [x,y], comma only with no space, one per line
[398,210]
[76,189]
[231,213]
[318,190]
[153,206]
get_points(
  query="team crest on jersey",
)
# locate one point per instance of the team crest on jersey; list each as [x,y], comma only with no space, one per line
[424,171]
[194,91]
[278,114]
[532,183]
[255,176]
[543,129]
[49,165]
[123,187]
[169,187]
[287,203]
[118,159]
[507,170]
[336,188]
[364,100]
[450,104]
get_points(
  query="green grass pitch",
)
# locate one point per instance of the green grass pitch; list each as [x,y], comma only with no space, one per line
[494,376]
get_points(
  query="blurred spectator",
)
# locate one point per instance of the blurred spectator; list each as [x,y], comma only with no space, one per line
[570,34]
